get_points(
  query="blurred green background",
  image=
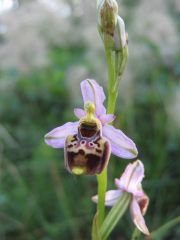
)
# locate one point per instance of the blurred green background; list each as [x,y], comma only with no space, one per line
[46,49]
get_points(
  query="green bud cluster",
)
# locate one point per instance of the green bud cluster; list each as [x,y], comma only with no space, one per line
[111,25]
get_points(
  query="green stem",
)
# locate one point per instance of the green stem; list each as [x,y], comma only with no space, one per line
[116,63]
[102,178]
[102,186]
[112,77]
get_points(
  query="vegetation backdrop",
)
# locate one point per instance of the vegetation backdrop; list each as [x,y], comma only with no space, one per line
[46,50]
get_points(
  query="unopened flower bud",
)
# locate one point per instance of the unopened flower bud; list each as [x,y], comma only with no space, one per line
[120,35]
[107,15]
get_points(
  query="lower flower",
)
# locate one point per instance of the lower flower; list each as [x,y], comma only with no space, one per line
[130,182]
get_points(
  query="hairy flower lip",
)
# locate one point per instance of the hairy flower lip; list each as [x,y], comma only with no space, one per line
[130,181]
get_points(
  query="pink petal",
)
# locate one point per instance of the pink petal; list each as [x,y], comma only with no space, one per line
[131,179]
[111,197]
[93,92]
[56,138]
[121,145]
[137,217]
[136,177]
[106,118]
[79,112]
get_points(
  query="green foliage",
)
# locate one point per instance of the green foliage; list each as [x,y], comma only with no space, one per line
[38,198]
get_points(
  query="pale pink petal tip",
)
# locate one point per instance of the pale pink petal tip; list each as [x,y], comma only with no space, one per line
[137,217]
[141,226]
[56,138]
[111,197]
[121,145]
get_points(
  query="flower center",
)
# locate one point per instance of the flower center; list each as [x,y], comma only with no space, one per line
[90,124]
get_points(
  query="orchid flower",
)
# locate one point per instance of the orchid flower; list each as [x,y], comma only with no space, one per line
[130,182]
[89,141]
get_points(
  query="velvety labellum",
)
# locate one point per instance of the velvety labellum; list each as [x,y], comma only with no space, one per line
[87,152]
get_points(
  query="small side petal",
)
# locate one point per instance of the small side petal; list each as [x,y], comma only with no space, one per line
[56,138]
[121,145]
[111,197]
[93,92]
[79,113]
[137,217]
[143,202]
[107,118]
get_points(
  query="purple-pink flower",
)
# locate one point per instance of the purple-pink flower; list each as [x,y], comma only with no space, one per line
[130,182]
[91,139]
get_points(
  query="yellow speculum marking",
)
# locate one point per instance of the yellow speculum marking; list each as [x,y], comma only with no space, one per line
[70,138]
[78,170]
